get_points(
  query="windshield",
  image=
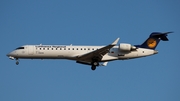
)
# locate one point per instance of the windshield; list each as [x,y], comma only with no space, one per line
[19,48]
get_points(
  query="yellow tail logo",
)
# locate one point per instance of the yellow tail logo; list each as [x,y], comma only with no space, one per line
[151,42]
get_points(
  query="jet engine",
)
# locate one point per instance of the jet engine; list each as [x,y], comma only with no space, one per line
[126,47]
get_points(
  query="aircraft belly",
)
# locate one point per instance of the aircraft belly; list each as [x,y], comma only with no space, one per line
[108,58]
[128,55]
[136,54]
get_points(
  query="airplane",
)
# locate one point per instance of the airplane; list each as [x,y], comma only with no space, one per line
[94,56]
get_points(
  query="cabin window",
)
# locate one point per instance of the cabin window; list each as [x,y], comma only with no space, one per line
[88,48]
[40,48]
[59,48]
[81,48]
[47,48]
[72,48]
[64,48]
[68,48]
[92,48]
[84,48]
[76,48]
[43,48]
[52,48]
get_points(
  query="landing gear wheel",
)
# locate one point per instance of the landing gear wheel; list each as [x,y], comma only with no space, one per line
[93,67]
[94,64]
[17,63]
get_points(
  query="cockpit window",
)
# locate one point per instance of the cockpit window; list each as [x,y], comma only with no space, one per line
[19,48]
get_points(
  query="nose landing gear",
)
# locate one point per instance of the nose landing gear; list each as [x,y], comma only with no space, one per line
[17,61]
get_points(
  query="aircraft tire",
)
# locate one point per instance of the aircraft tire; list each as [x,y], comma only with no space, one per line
[17,63]
[93,67]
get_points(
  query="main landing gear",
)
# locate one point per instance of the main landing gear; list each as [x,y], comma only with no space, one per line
[17,61]
[93,67]
[94,64]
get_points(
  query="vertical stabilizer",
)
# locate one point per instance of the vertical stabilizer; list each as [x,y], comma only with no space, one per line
[154,39]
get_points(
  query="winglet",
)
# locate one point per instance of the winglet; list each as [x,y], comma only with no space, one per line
[115,42]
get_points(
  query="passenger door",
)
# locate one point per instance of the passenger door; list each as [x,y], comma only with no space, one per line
[30,50]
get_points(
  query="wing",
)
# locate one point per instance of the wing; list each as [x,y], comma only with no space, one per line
[97,54]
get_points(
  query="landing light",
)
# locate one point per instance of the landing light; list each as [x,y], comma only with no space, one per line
[10,57]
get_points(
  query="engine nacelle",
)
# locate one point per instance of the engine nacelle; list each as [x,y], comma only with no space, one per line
[126,47]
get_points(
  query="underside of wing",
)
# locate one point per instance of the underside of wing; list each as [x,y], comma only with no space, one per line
[97,54]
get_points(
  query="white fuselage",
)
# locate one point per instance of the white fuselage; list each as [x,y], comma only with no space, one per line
[90,55]
[73,52]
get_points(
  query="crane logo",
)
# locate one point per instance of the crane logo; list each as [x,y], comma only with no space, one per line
[151,42]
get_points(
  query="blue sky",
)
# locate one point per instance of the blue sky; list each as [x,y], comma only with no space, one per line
[84,22]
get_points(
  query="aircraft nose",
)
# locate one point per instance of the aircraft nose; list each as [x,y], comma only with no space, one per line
[9,54]
[13,53]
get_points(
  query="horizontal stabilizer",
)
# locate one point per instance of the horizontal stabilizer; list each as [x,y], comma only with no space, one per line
[162,36]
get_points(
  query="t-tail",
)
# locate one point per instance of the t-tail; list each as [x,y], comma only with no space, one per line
[154,39]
